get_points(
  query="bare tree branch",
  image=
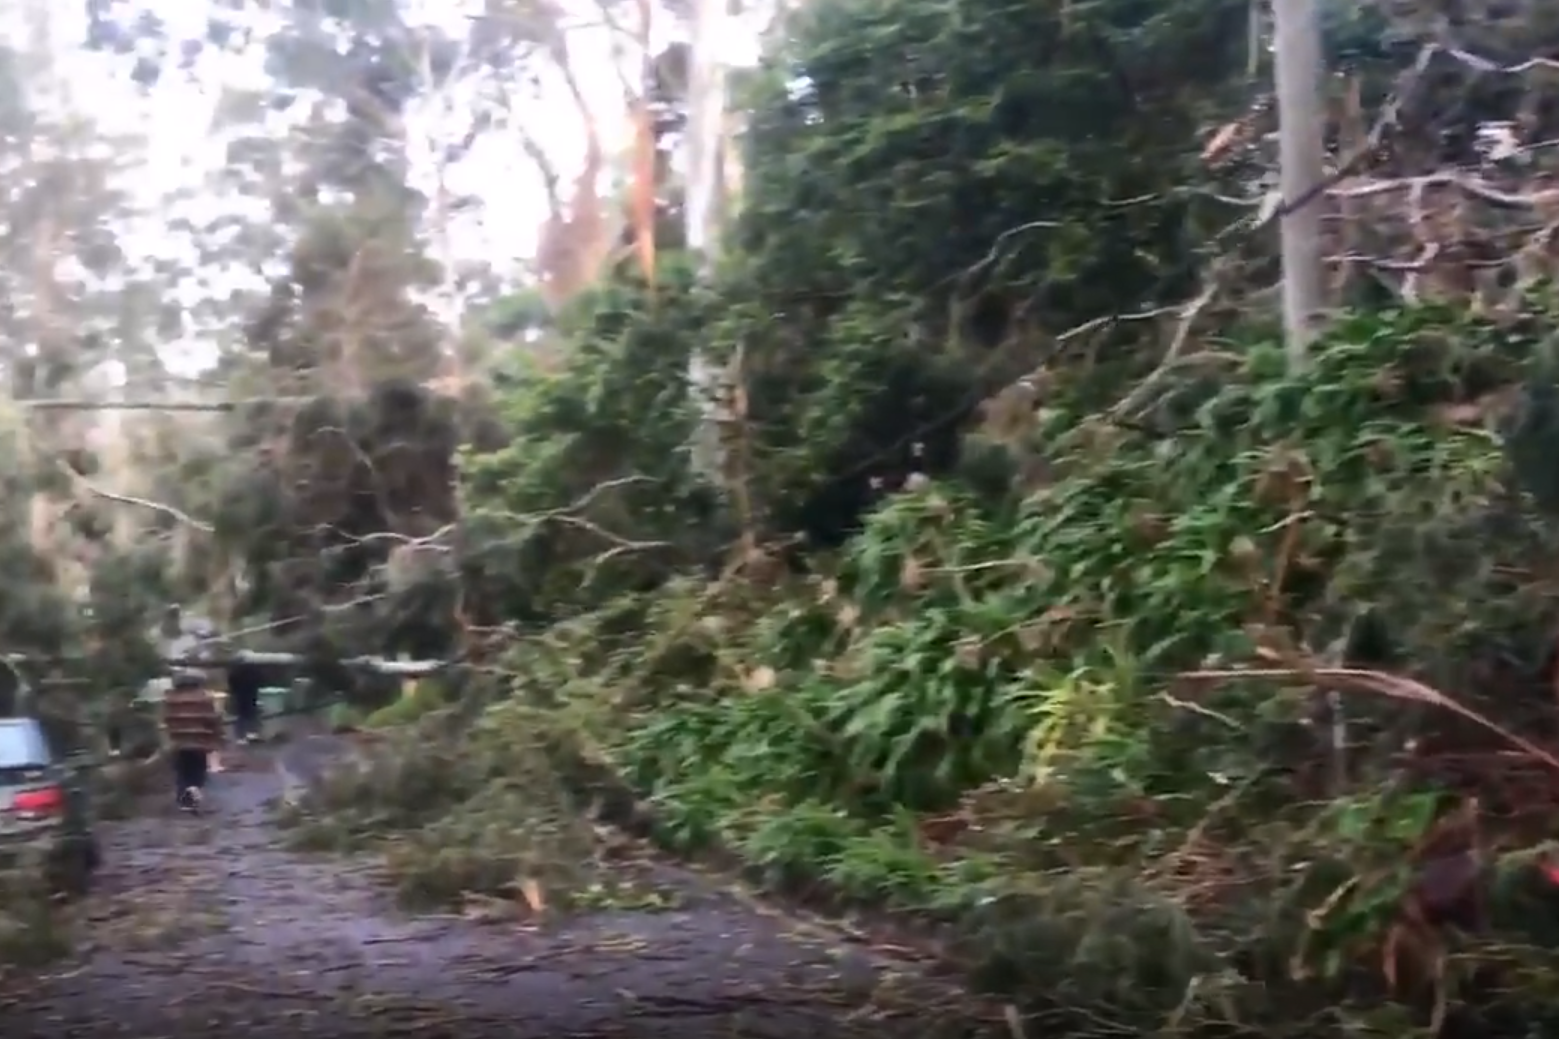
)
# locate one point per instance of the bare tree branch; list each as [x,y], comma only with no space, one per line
[142,503]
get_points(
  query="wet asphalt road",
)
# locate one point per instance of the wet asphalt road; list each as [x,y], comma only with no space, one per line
[209,924]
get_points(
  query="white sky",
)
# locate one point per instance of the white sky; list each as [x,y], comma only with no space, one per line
[178,114]
[177,119]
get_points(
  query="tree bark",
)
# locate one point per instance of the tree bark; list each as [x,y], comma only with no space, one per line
[1301,158]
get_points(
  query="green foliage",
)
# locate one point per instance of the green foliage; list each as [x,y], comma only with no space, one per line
[38,618]
[345,316]
[476,816]
[594,493]
[1002,701]
[344,717]
[957,643]
[308,517]
[895,144]
[1014,666]
[126,591]
[860,356]
[915,221]
[918,218]
[426,698]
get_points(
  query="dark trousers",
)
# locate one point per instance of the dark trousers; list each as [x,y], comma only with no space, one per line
[246,718]
[244,682]
[190,767]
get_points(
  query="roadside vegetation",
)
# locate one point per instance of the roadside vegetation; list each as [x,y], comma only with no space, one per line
[1189,693]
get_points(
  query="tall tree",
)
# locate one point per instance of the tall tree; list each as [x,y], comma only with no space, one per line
[68,320]
[1301,126]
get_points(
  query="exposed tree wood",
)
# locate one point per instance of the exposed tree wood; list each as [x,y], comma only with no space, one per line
[1298,65]
[380,665]
[576,240]
[643,191]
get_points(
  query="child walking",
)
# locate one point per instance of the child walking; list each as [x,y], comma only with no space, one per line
[194,730]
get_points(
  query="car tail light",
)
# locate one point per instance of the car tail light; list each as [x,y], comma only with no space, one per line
[35,804]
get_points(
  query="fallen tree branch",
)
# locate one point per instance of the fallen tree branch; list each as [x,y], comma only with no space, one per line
[341,607]
[1380,683]
[128,499]
[1471,186]
[380,665]
[1141,397]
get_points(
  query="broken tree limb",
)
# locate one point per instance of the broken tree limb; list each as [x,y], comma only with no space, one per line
[380,665]
[128,499]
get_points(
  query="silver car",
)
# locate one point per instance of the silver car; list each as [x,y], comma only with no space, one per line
[45,808]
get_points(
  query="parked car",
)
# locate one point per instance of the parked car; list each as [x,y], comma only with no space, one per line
[45,807]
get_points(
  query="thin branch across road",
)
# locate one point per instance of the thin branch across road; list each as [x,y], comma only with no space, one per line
[379,665]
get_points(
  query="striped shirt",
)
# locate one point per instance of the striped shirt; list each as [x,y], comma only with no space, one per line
[191,720]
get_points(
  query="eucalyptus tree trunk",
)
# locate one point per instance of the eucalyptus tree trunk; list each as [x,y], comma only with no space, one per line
[1299,73]
[705,198]
[1301,159]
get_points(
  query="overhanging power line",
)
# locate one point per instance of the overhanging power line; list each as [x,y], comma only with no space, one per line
[87,404]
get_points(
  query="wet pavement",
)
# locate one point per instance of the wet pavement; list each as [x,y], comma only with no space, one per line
[209,923]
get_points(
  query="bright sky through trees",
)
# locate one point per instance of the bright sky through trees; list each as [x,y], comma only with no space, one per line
[181,120]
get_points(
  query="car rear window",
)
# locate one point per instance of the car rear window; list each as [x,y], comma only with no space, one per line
[22,747]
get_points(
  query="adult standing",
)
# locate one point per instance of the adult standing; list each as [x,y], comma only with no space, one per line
[244,680]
